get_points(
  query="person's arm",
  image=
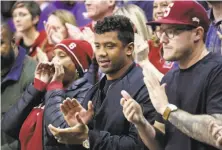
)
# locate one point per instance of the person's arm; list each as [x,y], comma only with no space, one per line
[133,113]
[194,126]
[14,118]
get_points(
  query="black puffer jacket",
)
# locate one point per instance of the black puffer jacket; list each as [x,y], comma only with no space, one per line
[15,117]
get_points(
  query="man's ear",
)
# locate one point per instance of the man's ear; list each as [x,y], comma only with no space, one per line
[35,20]
[111,2]
[199,34]
[130,49]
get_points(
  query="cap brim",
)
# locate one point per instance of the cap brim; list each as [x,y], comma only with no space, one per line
[166,21]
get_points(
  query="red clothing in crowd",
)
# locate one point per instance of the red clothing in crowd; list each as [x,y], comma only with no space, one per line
[156,58]
[41,42]
[90,25]
[31,132]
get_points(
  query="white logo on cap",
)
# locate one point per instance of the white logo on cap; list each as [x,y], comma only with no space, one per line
[72,45]
[195,19]
[168,9]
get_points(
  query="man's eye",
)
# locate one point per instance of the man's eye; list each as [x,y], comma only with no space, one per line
[110,46]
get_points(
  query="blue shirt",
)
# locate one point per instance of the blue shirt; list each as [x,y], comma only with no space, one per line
[213,42]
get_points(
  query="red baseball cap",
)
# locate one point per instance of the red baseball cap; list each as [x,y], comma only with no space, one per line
[184,13]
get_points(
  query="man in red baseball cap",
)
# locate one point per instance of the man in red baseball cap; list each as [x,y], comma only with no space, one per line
[190,95]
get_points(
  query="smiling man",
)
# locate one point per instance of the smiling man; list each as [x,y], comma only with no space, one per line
[108,129]
[191,95]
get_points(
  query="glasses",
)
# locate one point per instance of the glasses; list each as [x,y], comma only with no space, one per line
[172,31]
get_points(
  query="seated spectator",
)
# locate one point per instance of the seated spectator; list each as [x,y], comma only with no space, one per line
[155,47]
[108,129]
[25,17]
[28,119]
[47,8]
[77,8]
[56,29]
[213,41]
[191,95]
[17,72]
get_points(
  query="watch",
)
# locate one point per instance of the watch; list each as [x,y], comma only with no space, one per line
[86,144]
[170,108]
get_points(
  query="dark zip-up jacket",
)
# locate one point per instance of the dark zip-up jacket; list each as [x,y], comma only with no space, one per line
[15,117]
[109,129]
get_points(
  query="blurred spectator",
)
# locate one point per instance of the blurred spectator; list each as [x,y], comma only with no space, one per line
[99,9]
[143,33]
[213,42]
[46,8]
[39,105]
[77,8]
[17,72]
[146,6]
[25,17]
[188,97]
[155,47]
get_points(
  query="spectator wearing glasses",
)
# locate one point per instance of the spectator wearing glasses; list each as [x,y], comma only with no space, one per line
[191,95]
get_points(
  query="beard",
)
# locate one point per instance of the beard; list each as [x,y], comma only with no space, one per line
[7,60]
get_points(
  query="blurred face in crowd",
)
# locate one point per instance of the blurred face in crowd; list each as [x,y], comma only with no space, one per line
[60,29]
[159,6]
[23,20]
[97,9]
[60,56]
[171,37]
[110,52]
[7,52]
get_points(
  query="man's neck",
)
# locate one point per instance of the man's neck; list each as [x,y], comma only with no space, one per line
[30,36]
[217,9]
[108,13]
[197,54]
[119,73]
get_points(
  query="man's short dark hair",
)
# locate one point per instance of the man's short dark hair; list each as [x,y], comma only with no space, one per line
[118,23]
[32,7]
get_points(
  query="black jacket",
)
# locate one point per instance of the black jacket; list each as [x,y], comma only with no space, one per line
[109,129]
[15,117]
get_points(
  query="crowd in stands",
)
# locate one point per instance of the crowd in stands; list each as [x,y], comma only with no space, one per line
[111,75]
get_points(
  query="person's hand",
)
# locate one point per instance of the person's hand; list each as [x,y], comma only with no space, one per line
[53,36]
[59,72]
[216,133]
[156,91]
[41,56]
[88,35]
[72,135]
[49,29]
[70,108]
[74,32]
[44,71]
[141,49]
[131,109]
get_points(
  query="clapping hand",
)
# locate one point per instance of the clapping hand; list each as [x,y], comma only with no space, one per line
[70,108]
